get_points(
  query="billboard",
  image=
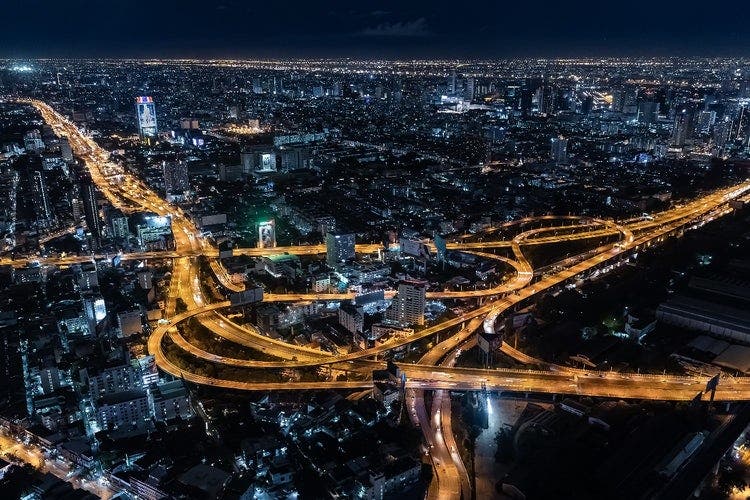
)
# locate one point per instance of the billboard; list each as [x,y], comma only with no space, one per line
[415,248]
[146,114]
[267,161]
[267,234]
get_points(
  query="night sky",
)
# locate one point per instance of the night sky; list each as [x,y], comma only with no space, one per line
[368,29]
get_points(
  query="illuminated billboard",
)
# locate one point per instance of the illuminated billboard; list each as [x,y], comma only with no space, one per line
[267,161]
[146,114]
[414,248]
[267,234]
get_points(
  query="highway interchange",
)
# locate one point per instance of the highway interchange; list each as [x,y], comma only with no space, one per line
[435,370]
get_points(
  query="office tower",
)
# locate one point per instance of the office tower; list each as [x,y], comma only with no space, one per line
[91,211]
[742,123]
[267,234]
[618,99]
[146,115]
[526,100]
[339,248]
[32,141]
[95,310]
[42,204]
[722,132]
[258,159]
[559,150]
[546,99]
[706,120]
[682,129]
[452,85]
[295,157]
[118,223]
[648,112]
[76,209]
[408,306]
[176,181]
[469,88]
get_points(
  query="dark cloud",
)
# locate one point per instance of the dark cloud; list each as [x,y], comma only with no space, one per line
[416,28]
[371,28]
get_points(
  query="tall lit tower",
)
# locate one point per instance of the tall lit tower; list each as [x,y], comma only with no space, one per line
[559,150]
[91,211]
[43,205]
[176,181]
[408,305]
[145,112]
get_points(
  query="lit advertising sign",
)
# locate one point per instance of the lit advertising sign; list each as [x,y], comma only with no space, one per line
[267,234]
[146,113]
[267,162]
[415,248]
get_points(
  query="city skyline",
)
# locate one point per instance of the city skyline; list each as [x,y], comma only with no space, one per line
[384,279]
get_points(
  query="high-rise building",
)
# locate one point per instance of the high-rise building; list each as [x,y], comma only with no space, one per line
[682,129]
[469,89]
[648,112]
[42,205]
[267,234]
[145,112]
[559,150]
[722,132]
[91,211]
[32,141]
[258,159]
[295,157]
[339,248]
[176,181]
[706,120]
[618,99]
[118,223]
[742,130]
[546,99]
[408,305]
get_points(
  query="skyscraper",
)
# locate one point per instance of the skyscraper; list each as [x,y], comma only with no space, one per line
[408,306]
[91,211]
[118,222]
[682,129]
[648,112]
[176,181]
[42,205]
[469,89]
[546,98]
[145,112]
[559,150]
[339,248]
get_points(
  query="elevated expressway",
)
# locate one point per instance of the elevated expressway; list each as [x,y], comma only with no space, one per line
[590,383]
[128,193]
